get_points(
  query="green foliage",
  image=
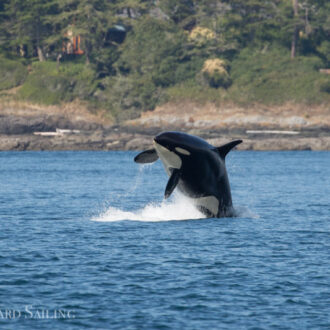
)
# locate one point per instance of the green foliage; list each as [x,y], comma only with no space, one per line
[29,23]
[272,77]
[193,91]
[161,62]
[164,52]
[263,76]
[12,73]
[46,89]
[217,79]
[126,96]
[47,85]
[325,86]
[178,10]
[324,51]
[150,43]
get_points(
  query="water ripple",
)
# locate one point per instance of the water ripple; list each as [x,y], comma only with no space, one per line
[266,269]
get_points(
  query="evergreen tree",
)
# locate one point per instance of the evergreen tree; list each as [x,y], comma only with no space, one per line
[249,22]
[90,20]
[132,8]
[178,10]
[3,20]
[28,24]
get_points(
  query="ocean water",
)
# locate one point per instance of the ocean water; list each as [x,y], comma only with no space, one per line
[87,241]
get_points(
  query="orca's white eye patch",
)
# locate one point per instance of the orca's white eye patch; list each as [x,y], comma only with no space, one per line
[182,151]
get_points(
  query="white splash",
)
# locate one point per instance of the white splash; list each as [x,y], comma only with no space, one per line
[245,212]
[178,208]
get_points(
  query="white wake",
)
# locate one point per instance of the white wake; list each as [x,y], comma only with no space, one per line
[178,208]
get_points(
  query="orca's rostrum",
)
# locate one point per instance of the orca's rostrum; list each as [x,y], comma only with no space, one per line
[197,168]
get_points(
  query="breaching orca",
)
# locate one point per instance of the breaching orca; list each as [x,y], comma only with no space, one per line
[197,168]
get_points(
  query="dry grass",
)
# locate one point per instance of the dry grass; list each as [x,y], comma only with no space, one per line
[216,65]
[229,115]
[200,35]
[76,110]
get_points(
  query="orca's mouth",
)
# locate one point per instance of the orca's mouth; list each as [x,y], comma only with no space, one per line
[155,143]
[157,140]
[171,140]
[161,143]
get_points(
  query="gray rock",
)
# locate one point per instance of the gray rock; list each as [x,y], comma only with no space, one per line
[139,143]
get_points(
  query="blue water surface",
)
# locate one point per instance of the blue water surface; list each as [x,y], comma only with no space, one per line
[61,269]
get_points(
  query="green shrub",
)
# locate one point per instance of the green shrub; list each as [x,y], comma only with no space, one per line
[193,91]
[126,96]
[49,85]
[325,86]
[12,73]
[46,89]
[272,77]
[188,69]
[324,50]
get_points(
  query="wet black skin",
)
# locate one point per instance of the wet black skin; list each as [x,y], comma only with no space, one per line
[203,172]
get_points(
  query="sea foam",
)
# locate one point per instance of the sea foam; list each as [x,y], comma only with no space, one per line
[178,208]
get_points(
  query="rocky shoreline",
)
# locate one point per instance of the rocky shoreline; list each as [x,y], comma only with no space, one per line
[119,138]
[45,131]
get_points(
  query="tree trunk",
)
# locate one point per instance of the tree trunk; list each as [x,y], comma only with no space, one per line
[58,59]
[87,56]
[41,55]
[295,30]
[87,50]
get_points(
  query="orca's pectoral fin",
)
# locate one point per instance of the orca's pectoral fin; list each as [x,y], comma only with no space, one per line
[147,156]
[223,150]
[172,183]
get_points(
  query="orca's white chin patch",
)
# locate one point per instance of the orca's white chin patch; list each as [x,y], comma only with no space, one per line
[169,158]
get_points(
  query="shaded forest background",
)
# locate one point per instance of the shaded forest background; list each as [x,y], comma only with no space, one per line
[136,54]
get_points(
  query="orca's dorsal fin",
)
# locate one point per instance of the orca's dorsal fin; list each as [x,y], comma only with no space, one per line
[223,150]
[147,156]
[172,182]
